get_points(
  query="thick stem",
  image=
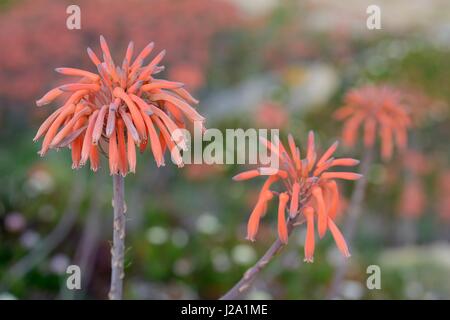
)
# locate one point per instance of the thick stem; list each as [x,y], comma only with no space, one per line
[118,248]
[250,275]
[354,212]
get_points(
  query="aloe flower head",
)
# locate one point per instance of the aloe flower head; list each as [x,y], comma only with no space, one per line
[306,186]
[117,108]
[378,110]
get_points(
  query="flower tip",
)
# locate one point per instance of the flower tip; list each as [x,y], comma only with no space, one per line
[64,87]
[284,197]
[252,239]
[195,101]
[158,69]
[322,230]
[268,195]
[160,164]
[149,46]
[308,260]
[246,175]
[41,102]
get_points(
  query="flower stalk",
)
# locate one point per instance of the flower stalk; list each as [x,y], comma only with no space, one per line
[118,247]
[251,274]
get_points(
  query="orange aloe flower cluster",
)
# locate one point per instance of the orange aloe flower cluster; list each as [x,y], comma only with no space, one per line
[375,108]
[115,110]
[308,189]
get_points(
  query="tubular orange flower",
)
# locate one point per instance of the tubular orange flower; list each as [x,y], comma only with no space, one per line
[310,240]
[308,188]
[116,109]
[375,108]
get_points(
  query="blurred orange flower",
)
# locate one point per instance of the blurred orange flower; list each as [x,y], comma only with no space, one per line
[308,188]
[423,107]
[413,197]
[119,107]
[375,108]
[443,202]
[189,38]
[417,162]
[413,200]
[191,74]
[271,115]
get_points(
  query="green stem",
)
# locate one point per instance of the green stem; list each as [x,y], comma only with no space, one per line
[118,248]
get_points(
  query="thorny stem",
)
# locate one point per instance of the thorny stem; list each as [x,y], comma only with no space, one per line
[118,248]
[250,275]
[350,223]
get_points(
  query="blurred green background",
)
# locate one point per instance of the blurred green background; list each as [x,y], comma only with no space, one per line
[259,63]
